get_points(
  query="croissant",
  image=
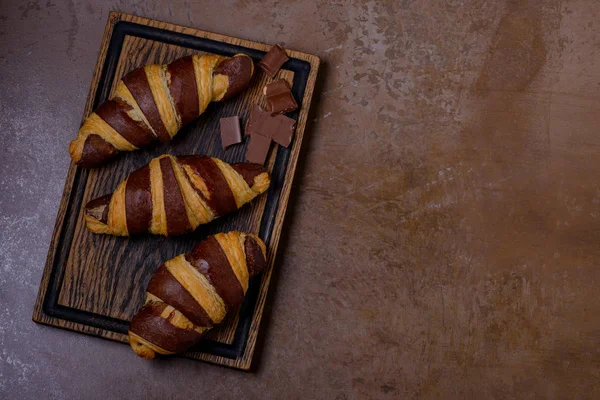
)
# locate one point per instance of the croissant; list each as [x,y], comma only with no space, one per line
[155,101]
[173,195]
[192,292]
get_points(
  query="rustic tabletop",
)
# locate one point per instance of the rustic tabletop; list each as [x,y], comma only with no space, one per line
[443,237]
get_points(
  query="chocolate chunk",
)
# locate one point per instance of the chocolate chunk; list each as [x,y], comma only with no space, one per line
[230,131]
[258,149]
[273,60]
[281,129]
[279,97]
[255,121]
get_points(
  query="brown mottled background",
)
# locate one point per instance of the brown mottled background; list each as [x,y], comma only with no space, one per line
[444,234]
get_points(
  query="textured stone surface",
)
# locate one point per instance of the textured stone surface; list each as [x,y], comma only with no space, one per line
[444,238]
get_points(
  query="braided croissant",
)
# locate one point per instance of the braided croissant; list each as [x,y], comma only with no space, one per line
[155,101]
[191,293]
[173,195]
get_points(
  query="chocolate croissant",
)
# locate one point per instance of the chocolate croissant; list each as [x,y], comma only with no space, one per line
[155,101]
[192,292]
[173,195]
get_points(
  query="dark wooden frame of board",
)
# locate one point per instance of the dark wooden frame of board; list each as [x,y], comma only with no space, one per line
[239,353]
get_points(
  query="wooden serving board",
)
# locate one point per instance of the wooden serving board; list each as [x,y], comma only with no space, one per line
[95,283]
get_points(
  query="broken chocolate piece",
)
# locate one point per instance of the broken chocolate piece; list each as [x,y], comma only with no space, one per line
[279,97]
[273,60]
[281,129]
[258,149]
[256,120]
[230,131]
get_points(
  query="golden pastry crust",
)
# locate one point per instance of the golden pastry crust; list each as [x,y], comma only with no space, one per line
[96,125]
[235,255]
[198,286]
[197,205]
[123,93]
[197,182]
[204,67]
[242,192]
[144,348]
[159,216]
[197,210]
[148,106]
[159,327]
[159,85]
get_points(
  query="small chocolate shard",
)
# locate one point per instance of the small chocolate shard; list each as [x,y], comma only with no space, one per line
[258,149]
[230,131]
[255,120]
[273,60]
[279,97]
[281,129]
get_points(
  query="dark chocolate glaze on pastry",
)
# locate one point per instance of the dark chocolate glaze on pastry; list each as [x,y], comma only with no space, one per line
[96,151]
[239,70]
[222,201]
[183,89]
[138,201]
[177,219]
[137,83]
[210,260]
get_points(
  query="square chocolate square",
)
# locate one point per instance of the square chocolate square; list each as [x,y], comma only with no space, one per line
[273,60]
[258,149]
[230,131]
[279,97]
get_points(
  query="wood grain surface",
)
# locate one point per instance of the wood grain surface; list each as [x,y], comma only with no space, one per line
[107,276]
